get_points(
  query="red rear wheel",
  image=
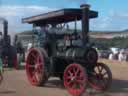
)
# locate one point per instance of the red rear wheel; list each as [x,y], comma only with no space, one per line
[75,79]
[101,78]
[35,66]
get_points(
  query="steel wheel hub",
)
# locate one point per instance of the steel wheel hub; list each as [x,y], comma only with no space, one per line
[73,78]
[36,66]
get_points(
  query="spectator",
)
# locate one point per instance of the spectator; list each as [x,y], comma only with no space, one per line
[1,44]
[1,51]
[29,46]
[122,56]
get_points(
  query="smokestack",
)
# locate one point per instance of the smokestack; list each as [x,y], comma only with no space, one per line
[5,26]
[85,22]
[5,23]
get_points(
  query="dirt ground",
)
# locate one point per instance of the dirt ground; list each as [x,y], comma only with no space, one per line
[15,83]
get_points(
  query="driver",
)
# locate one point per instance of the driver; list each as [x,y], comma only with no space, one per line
[67,40]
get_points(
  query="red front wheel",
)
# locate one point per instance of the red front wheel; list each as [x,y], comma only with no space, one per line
[75,79]
[101,77]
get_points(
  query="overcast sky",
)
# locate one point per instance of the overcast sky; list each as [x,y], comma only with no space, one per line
[113,14]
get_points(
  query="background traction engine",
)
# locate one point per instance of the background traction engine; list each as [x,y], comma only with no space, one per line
[8,52]
[76,65]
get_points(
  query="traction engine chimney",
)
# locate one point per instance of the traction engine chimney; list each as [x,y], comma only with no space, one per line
[85,23]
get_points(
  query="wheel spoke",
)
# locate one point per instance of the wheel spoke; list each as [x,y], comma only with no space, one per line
[38,59]
[79,81]
[104,74]
[100,69]
[77,71]
[33,59]
[69,77]
[34,79]
[33,73]
[33,55]
[74,70]
[70,82]
[39,70]
[31,66]
[39,65]
[38,76]
[70,73]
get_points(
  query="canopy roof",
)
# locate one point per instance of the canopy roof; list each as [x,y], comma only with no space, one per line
[57,17]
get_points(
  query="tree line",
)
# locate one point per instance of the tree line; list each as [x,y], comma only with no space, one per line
[118,42]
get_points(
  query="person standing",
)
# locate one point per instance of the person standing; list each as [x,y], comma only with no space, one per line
[1,44]
[1,63]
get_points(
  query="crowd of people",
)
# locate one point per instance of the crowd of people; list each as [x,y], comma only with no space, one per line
[114,54]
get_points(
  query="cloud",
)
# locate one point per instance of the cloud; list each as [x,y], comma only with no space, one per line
[119,14]
[22,10]
[14,14]
[113,21]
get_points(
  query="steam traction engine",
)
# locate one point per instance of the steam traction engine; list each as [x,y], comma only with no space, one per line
[7,51]
[69,56]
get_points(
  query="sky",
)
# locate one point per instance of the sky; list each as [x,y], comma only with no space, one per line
[113,14]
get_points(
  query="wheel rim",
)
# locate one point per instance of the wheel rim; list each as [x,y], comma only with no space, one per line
[75,79]
[34,67]
[101,78]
